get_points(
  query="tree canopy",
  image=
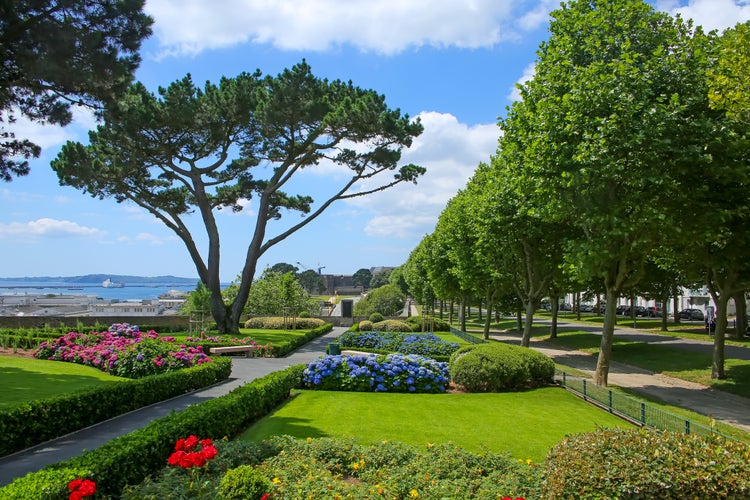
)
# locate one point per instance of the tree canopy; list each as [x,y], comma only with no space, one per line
[57,53]
[173,154]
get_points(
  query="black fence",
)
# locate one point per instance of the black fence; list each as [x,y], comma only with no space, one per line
[472,339]
[632,409]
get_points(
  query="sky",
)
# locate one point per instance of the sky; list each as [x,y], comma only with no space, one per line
[451,63]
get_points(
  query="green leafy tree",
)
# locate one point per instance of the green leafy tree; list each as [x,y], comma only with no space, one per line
[397,278]
[387,300]
[612,125]
[312,281]
[380,278]
[362,277]
[730,76]
[278,294]
[283,267]
[170,154]
[57,53]
[197,300]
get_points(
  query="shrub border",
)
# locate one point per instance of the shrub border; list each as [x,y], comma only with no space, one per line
[32,423]
[132,457]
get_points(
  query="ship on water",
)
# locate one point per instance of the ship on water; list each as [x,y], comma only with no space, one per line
[108,283]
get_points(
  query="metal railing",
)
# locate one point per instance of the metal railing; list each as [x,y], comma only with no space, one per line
[472,339]
[632,409]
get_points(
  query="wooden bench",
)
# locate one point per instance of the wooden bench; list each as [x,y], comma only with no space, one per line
[247,350]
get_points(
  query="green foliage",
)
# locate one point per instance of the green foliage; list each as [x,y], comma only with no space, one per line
[388,300]
[59,53]
[729,78]
[279,323]
[365,326]
[380,278]
[376,317]
[274,294]
[496,367]
[31,423]
[392,325]
[130,458]
[362,278]
[228,132]
[244,483]
[436,324]
[197,300]
[317,327]
[615,463]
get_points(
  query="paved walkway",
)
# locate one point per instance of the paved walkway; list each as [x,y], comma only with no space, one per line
[244,370]
[719,405]
[722,406]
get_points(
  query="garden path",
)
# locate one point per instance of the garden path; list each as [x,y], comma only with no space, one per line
[244,370]
[719,405]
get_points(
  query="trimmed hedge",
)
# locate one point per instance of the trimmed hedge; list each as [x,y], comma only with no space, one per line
[391,325]
[280,323]
[641,463]
[38,421]
[131,458]
[496,367]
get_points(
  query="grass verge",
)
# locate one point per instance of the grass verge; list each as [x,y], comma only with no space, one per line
[518,422]
[27,379]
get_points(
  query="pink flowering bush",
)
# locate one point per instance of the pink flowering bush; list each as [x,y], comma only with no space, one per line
[123,350]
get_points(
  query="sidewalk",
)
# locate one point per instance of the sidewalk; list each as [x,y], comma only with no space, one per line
[244,370]
[719,405]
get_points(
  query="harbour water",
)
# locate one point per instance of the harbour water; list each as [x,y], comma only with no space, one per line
[135,291]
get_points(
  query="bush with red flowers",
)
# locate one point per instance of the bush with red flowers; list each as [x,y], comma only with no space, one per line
[80,488]
[187,454]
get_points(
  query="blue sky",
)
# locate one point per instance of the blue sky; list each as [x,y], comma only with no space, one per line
[452,63]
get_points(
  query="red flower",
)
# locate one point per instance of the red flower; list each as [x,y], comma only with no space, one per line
[187,455]
[265,496]
[80,488]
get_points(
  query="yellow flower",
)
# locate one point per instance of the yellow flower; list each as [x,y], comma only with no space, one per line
[276,480]
[429,445]
[528,461]
[355,466]
[414,494]
[385,441]
[309,440]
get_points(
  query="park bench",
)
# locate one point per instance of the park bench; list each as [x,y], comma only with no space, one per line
[247,350]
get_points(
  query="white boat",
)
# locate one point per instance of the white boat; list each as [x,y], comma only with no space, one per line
[108,283]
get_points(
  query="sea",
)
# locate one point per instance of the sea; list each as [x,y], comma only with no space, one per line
[136,291]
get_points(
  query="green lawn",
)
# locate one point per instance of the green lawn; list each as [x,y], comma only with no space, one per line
[24,379]
[527,424]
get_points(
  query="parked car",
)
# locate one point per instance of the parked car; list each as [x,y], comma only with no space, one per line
[639,310]
[691,314]
[653,311]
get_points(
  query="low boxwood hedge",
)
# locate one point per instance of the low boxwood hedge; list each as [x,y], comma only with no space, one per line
[130,458]
[640,463]
[32,423]
[495,367]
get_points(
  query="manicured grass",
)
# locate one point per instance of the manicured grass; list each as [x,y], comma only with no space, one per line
[25,379]
[527,424]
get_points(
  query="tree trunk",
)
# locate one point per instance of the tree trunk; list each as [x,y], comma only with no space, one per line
[676,308]
[450,312]
[480,311]
[555,303]
[740,320]
[608,332]
[526,339]
[487,321]
[577,300]
[664,301]
[717,365]
[462,314]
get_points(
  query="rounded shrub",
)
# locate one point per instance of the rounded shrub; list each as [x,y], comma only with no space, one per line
[244,482]
[365,326]
[376,317]
[391,325]
[645,463]
[496,367]
[278,323]
[304,314]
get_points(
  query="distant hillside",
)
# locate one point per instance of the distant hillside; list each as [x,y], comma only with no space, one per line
[98,278]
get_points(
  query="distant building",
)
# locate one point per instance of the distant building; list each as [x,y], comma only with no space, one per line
[341,284]
[140,308]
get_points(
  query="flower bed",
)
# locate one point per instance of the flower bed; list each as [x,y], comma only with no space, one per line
[378,373]
[124,351]
[424,344]
[261,351]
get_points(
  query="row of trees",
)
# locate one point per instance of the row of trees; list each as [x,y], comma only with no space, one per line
[626,158]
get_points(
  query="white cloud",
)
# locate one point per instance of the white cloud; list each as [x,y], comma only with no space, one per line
[48,136]
[528,74]
[47,228]
[711,14]
[154,239]
[384,26]
[450,151]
